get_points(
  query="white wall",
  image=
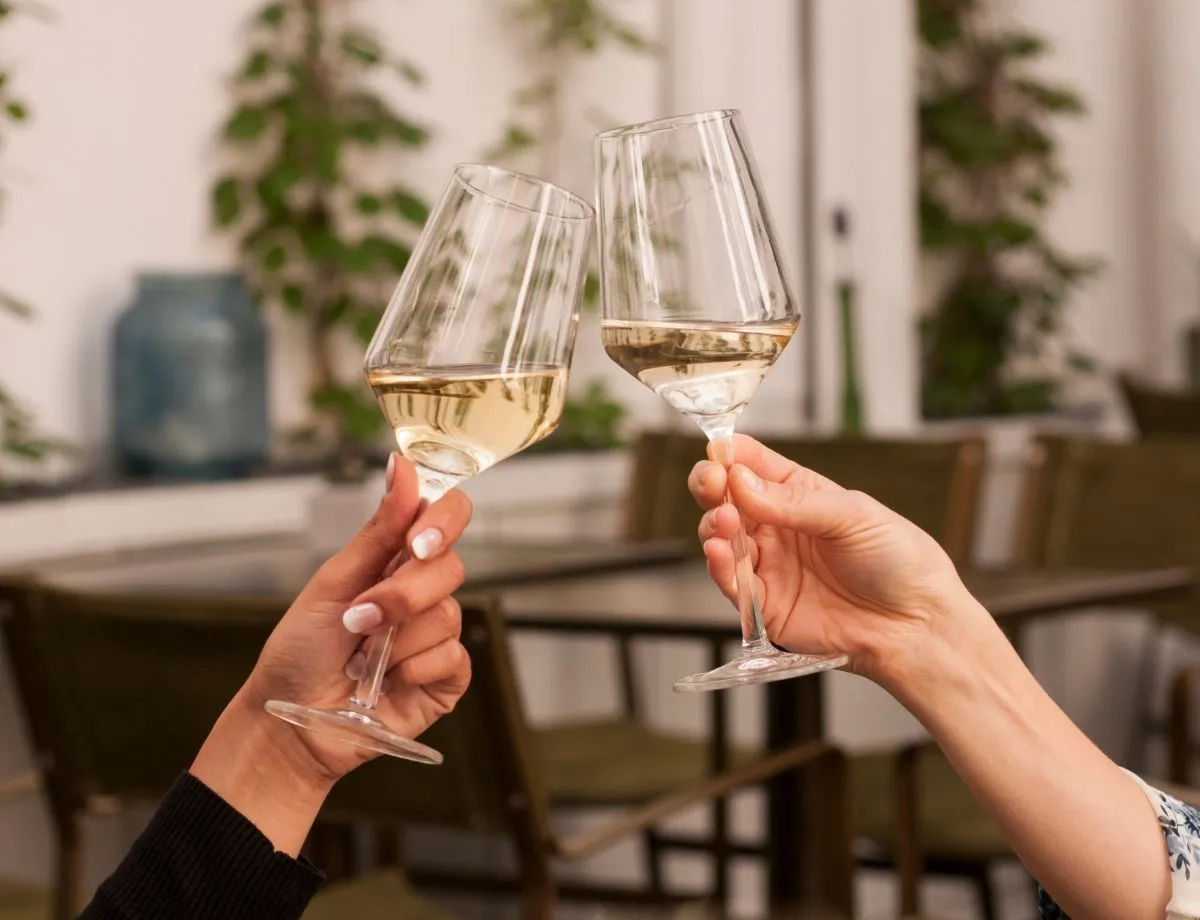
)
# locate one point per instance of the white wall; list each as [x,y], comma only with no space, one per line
[112,175]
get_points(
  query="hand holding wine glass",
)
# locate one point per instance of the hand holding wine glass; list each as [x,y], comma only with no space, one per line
[696,307]
[469,365]
[837,571]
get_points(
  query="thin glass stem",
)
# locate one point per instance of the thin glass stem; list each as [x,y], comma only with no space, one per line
[754,630]
[379,648]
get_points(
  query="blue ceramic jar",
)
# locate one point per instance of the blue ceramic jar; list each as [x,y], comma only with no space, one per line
[190,378]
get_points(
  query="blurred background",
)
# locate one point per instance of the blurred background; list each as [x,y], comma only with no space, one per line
[989,211]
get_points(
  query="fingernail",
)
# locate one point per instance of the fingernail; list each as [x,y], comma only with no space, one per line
[749,480]
[361,617]
[355,666]
[426,543]
[391,473]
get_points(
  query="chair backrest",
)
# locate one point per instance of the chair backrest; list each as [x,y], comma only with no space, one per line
[1161,413]
[1106,504]
[119,692]
[490,780]
[934,483]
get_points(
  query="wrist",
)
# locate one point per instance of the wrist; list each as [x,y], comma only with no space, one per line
[959,646]
[257,765]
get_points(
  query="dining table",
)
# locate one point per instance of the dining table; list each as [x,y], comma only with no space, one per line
[682,603]
[279,565]
[620,588]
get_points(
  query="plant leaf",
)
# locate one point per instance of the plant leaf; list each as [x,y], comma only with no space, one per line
[367,204]
[410,207]
[365,325]
[362,47]
[407,133]
[226,201]
[272,14]
[410,73]
[361,418]
[18,308]
[274,258]
[591,289]
[257,66]
[368,133]
[247,123]
[292,296]
[17,111]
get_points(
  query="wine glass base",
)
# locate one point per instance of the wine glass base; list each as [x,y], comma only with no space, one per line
[354,727]
[760,668]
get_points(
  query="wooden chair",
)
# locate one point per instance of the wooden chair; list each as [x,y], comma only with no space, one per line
[500,777]
[119,693]
[1159,412]
[20,900]
[936,484]
[1104,504]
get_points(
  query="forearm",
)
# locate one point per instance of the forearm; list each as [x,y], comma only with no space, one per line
[1070,814]
[224,843]
[199,859]
[253,762]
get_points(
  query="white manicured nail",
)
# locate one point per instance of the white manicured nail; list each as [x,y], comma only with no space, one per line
[362,617]
[355,666]
[426,543]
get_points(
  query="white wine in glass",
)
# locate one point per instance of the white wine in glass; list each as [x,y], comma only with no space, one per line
[707,371]
[469,365]
[455,422]
[695,306]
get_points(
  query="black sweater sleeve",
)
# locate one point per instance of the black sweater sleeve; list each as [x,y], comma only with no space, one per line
[199,859]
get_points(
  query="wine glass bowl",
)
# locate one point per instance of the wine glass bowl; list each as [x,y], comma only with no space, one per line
[696,306]
[469,365]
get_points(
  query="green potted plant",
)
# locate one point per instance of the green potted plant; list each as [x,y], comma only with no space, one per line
[322,236]
[993,340]
[22,443]
[556,34]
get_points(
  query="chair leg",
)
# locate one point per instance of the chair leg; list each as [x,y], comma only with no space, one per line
[986,892]
[331,846]
[67,871]
[1143,695]
[1179,726]
[721,863]
[654,862]
[538,900]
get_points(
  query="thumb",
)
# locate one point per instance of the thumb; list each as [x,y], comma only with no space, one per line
[362,562]
[815,508]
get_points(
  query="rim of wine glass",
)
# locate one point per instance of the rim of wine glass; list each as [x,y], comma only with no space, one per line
[461,177]
[670,123]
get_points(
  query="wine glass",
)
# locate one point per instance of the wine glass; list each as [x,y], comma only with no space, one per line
[469,365]
[696,307]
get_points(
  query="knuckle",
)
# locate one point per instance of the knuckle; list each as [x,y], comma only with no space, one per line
[861,502]
[448,617]
[456,570]
[466,507]
[403,598]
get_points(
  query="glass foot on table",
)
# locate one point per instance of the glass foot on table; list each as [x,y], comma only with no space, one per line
[760,668]
[354,727]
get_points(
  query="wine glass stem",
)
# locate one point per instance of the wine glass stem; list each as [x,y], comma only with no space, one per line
[379,647]
[754,631]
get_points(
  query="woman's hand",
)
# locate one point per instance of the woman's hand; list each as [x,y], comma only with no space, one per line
[837,571]
[401,570]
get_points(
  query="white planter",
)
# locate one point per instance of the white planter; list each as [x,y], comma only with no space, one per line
[551,495]
[337,511]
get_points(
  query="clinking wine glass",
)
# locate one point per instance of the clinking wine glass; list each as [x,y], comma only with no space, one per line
[469,365]
[696,307]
